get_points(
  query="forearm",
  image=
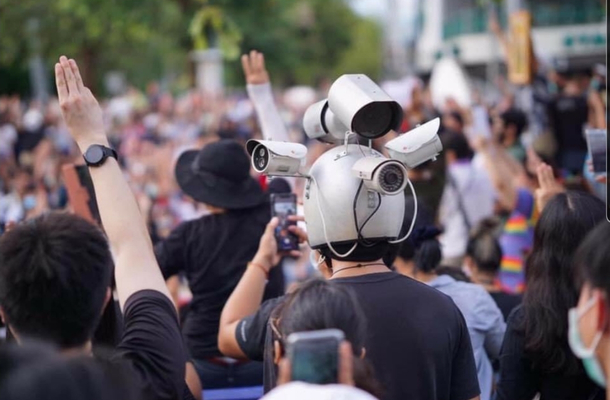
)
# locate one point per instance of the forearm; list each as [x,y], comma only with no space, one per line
[246,298]
[271,123]
[135,265]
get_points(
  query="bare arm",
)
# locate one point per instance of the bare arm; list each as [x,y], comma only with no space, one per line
[501,171]
[259,91]
[248,295]
[136,267]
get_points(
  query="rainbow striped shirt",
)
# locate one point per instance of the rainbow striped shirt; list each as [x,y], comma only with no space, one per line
[516,241]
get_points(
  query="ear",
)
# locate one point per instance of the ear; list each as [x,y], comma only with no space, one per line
[2,317]
[363,353]
[603,319]
[277,352]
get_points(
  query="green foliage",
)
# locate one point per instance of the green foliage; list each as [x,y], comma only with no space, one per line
[303,40]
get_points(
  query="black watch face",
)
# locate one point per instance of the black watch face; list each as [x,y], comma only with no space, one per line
[94,155]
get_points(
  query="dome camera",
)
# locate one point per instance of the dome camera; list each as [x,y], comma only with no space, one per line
[387,177]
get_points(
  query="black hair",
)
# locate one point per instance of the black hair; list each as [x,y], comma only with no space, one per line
[38,372]
[364,253]
[551,288]
[55,271]
[458,143]
[319,304]
[483,247]
[593,259]
[458,117]
[516,118]
[428,253]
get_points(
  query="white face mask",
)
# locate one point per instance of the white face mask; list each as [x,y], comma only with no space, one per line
[587,355]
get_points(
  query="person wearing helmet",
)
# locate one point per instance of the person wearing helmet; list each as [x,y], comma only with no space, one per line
[417,339]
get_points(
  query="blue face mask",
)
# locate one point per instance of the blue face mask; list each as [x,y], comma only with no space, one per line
[29,202]
[587,355]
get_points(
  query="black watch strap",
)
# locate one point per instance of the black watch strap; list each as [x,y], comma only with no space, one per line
[97,154]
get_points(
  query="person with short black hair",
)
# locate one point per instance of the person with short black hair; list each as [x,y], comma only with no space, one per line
[589,320]
[37,372]
[535,355]
[483,259]
[508,128]
[409,351]
[55,270]
[484,319]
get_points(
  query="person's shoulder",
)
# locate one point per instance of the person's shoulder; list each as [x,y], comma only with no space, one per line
[516,317]
[427,295]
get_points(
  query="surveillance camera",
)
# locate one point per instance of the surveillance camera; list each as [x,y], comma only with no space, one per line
[418,145]
[276,158]
[320,123]
[387,177]
[364,107]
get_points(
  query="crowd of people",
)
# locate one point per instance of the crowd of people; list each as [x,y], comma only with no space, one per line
[500,292]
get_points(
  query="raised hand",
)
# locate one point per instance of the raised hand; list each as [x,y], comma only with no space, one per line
[253,65]
[81,111]
[549,187]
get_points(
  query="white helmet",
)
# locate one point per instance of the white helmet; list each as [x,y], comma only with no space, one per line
[337,201]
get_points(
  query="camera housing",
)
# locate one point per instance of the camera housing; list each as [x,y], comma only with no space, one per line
[276,158]
[417,145]
[321,124]
[356,104]
[387,177]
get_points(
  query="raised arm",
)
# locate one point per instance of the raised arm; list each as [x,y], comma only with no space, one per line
[136,267]
[248,294]
[261,95]
[501,172]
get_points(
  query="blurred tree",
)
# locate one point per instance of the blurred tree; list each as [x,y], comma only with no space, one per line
[141,37]
[303,40]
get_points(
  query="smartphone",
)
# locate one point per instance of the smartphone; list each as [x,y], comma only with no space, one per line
[314,355]
[81,192]
[480,122]
[282,206]
[598,148]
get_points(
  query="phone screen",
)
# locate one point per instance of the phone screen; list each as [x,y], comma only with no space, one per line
[315,361]
[597,143]
[282,206]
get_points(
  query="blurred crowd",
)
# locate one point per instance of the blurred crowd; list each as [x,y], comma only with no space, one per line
[501,214]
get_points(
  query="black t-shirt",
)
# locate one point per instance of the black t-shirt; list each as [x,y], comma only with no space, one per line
[568,115]
[519,380]
[506,302]
[417,342]
[213,252]
[152,346]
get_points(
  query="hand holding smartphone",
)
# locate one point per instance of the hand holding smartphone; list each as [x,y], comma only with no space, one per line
[284,205]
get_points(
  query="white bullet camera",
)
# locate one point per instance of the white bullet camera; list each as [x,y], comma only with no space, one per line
[418,145]
[387,177]
[276,158]
[355,103]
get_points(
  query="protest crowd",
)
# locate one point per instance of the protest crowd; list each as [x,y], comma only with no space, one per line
[179,291]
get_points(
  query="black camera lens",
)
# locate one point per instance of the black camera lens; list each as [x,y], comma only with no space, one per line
[391,178]
[261,158]
[375,120]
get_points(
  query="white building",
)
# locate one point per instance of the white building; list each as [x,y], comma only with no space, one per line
[570,31]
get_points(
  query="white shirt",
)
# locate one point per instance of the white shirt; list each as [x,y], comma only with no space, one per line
[477,194]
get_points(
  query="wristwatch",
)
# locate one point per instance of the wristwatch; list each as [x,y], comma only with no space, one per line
[97,154]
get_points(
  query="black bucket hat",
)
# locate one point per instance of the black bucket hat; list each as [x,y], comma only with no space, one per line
[219,175]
